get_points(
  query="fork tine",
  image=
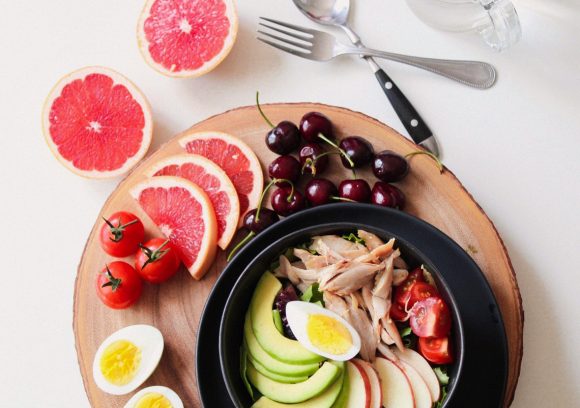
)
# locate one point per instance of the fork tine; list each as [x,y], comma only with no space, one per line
[288,33]
[287,49]
[292,26]
[304,47]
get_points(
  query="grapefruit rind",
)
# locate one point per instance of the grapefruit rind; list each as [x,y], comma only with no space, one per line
[226,186]
[136,93]
[208,66]
[208,247]
[255,166]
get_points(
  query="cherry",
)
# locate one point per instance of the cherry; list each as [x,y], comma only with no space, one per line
[313,159]
[355,190]
[285,167]
[313,124]
[358,149]
[387,195]
[320,191]
[286,201]
[389,166]
[265,218]
[283,138]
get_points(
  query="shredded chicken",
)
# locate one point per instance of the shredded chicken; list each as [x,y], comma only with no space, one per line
[370,239]
[335,247]
[351,277]
[399,276]
[309,260]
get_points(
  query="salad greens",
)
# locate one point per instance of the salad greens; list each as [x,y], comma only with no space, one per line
[352,237]
[313,295]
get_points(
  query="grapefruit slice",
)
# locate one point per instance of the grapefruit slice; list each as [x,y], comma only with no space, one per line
[214,181]
[186,38]
[97,123]
[235,158]
[184,214]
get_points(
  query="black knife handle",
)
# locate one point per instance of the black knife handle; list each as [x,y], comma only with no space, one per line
[415,125]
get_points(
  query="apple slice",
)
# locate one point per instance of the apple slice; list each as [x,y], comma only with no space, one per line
[420,389]
[360,387]
[395,386]
[376,392]
[418,362]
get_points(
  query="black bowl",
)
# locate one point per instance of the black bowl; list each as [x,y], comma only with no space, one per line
[231,327]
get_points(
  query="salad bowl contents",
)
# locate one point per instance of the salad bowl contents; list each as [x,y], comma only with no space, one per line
[340,320]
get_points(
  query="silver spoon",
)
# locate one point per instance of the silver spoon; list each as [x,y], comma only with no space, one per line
[335,13]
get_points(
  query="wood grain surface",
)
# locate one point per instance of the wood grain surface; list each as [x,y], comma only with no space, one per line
[175,307]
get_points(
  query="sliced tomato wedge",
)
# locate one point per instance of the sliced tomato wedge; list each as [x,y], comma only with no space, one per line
[397,312]
[430,318]
[402,292]
[421,291]
[437,350]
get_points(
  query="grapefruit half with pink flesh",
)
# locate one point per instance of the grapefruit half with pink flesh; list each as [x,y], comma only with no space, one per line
[186,38]
[184,214]
[235,158]
[214,181]
[97,123]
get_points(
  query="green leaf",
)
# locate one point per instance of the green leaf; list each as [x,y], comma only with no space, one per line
[442,376]
[278,320]
[312,295]
[306,247]
[243,370]
[439,404]
[405,331]
[352,237]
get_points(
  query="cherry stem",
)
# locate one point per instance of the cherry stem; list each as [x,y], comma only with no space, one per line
[268,186]
[431,155]
[342,199]
[240,244]
[341,152]
[261,111]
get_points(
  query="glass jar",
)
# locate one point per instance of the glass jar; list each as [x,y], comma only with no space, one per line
[495,20]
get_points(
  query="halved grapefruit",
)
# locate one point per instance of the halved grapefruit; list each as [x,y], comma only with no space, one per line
[214,181]
[235,158]
[184,214]
[97,123]
[186,38]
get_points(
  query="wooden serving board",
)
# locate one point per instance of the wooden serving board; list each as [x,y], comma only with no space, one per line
[175,307]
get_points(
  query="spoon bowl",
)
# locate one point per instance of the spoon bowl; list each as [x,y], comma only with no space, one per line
[327,12]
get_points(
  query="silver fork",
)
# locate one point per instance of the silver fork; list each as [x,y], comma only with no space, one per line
[318,45]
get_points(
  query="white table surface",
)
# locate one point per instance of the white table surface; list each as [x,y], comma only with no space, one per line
[515,147]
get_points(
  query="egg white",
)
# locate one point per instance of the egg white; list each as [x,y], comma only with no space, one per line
[148,339]
[297,313]
[166,392]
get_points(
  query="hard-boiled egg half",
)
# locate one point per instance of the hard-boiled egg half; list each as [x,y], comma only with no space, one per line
[322,331]
[155,397]
[127,358]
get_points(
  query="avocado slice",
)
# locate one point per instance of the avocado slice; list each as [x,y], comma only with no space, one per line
[276,377]
[294,393]
[271,340]
[269,362]
[324,400]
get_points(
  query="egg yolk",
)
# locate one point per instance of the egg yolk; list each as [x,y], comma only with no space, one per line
[328,334]
[153,400]
[120,362]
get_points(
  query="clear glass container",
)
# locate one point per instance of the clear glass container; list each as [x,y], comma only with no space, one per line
[495,20]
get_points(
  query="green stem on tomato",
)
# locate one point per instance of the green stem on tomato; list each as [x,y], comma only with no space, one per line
[113,282]
[153,256]
[431,155]
[261,111]
[240,244]
[117,232]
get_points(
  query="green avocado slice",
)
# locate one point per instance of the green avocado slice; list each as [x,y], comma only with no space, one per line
[276,377]
[269,362]
[324,400]
[271,340]
[294,393]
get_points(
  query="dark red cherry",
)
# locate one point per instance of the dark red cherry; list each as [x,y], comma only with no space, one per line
[389,166]
[310,159]
[387,195]
[284,138]
[284,204]
[358,149]
[266,218]
[355,190]
[285,167]
[320,191]
[314,123]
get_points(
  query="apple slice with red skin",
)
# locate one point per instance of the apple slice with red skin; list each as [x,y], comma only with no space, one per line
[360,387]
[418,362]
[395,386]
[420,389]
[376,392]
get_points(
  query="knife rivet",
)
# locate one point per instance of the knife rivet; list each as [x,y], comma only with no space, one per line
[414,122]
[388,85]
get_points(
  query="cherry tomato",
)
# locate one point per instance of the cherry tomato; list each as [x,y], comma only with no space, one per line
[121,234]
[157,261]
[421,291]
[119,285]
[430,318]
[397,312]
[402,295]
[437,350]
